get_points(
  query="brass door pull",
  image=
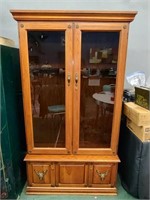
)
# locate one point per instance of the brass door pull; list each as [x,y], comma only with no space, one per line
[102,175]
[69,79]
[76,80]
[41,174]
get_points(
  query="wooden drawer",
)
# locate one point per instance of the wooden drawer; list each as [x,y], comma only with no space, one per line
[71,174]
[41,174]
[101,174]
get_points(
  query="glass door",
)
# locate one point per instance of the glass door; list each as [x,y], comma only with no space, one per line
[49,60]
[99,52]
[97,69]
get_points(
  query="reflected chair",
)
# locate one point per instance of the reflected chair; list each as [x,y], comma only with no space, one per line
[56,110]
[56,106]
[52,104]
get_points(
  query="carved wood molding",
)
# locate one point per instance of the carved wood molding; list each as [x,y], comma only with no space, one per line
[61,15]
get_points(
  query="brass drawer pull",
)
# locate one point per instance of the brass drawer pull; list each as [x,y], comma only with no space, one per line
[40,174]
[103,175]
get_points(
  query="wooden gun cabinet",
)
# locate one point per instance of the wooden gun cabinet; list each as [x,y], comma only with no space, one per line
[72,69]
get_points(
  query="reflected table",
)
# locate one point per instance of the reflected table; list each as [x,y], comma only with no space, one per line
[105,102]
[104,97]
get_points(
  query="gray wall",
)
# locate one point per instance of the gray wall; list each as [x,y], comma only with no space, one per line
[139,42]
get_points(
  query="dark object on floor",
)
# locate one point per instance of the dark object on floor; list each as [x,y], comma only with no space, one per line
[134,168]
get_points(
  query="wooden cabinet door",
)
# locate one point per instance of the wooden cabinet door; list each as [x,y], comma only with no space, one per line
[71,174]
[46,69]
[41,174]
[102,174]
[99,54]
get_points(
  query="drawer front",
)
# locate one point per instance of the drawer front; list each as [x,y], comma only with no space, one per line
[71,174]
[41,174]
[101,174]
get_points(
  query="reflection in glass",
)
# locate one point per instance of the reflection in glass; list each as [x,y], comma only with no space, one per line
[47,76]
[98,77]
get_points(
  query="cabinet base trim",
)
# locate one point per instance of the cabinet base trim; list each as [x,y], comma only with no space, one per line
[67,190]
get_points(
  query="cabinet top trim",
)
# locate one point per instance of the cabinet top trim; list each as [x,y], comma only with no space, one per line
[63,15]
[72,158]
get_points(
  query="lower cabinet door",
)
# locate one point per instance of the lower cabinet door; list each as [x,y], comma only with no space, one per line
[71,174]
[41,174]
[101,174]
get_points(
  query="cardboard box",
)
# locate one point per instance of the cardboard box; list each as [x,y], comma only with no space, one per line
[139,115]
[142,132]
[142,97]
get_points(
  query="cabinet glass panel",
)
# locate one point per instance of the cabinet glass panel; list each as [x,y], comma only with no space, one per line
[47,80]
[98,77]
